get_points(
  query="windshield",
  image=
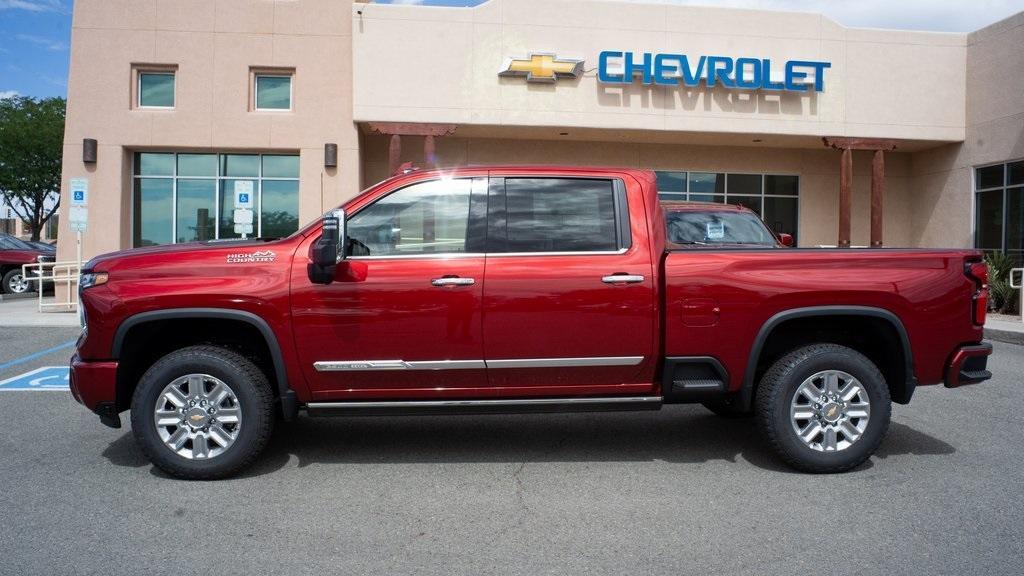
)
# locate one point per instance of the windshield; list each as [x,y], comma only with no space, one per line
[702,227]
[12,243]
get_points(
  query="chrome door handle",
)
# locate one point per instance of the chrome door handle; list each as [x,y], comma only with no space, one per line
[453,281]
[622,279]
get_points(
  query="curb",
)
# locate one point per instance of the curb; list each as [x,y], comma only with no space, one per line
[1004,336]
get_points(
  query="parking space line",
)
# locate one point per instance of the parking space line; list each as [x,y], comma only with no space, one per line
[35,355]
[46,378]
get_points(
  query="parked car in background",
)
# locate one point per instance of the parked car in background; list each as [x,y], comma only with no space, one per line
[14,253]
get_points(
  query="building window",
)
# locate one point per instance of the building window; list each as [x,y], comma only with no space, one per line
[775,197]
[156,89]
[999,208]
[190,197]
[272,91]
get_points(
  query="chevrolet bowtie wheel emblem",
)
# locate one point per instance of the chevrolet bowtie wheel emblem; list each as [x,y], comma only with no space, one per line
[543,68]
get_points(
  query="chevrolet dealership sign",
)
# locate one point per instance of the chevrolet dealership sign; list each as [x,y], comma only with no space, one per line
[674,70]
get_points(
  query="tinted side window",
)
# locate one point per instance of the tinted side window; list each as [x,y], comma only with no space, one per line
[424,218]
[560,215]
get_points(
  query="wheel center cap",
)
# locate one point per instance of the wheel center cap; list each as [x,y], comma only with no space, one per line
[831,412]
[197,417]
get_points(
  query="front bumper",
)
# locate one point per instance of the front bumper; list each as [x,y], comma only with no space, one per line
[94,385]
[969,365]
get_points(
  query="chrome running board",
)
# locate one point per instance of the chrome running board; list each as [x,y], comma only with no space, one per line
[490,406]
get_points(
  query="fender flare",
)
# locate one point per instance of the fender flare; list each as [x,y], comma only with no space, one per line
[289,403]
[910,383]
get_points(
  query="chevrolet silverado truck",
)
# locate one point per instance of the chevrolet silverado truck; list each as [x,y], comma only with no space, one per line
[521,289]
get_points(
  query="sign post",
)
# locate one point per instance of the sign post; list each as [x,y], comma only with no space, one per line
[243,216]
[78,218]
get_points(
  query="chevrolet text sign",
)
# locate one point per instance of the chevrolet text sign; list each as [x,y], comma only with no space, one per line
[740,73]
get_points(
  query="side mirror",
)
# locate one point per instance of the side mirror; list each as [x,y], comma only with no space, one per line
[786,239]
[329,249]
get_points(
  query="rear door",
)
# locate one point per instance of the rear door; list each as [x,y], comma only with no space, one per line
[569,296]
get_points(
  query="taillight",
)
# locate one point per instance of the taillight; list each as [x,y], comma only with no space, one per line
[978,271]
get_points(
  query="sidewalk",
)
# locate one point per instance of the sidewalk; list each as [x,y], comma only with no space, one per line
[25,312]
[1004,329]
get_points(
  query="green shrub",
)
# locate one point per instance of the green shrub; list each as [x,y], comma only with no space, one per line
[1002,298]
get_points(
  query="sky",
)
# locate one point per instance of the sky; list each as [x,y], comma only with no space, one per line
[35,34]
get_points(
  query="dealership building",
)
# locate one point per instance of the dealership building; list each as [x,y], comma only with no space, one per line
[833,134]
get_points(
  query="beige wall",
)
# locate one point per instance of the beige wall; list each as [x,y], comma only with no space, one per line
[818,170]
[891,84]
[213,43]
[943,177]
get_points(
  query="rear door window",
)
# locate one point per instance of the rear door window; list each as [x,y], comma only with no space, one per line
[560,215]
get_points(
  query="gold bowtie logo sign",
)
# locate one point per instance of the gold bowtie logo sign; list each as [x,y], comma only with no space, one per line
[543,68]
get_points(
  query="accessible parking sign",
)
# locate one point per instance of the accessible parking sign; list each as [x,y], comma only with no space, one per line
[45,378]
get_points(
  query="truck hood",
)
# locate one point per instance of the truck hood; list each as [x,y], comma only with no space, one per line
[20,256]
[157,253]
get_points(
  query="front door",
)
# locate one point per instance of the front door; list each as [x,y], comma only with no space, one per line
[569,298]
[404,318]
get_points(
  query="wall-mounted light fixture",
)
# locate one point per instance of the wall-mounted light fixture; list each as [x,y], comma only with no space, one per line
[330,155]
[89,150]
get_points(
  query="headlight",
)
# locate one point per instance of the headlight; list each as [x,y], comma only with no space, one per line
[91,279]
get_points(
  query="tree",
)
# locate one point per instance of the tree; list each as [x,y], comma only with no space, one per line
[31,146]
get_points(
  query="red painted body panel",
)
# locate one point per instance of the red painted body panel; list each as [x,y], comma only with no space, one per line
[526,306]
[926,289]
[19,257]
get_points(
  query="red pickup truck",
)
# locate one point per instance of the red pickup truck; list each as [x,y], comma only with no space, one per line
[521,289]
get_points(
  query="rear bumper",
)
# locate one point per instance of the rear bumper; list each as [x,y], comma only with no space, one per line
[969,365]
[94,385]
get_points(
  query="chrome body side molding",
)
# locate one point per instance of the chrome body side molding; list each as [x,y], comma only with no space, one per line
[367,365]
[364,365]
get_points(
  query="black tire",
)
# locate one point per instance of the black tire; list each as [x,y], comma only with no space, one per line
[727,409]
[779,386]
[249,385]
[9,278]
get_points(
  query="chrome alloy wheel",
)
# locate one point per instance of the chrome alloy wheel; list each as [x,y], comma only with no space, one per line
[830,411]
[197,416]
[18,284]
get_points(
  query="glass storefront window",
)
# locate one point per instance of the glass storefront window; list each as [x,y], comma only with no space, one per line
[154,208]
[999,209]
[775,197]
[190,197]
[197,210]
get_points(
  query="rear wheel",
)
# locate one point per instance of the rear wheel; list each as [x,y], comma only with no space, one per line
[202,413]
[823,408]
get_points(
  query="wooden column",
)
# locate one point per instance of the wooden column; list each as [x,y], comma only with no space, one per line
[398,129]
[877,196]
[845,197]
[847,145]
[429,158]
[394,153]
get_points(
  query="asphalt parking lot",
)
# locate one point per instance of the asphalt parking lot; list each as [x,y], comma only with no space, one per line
[678,491]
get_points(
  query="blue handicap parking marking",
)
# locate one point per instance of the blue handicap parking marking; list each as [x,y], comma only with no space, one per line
[45,378]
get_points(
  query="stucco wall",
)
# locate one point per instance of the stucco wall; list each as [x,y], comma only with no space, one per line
[214,43]
[890,84]
[818,171]
[943,177]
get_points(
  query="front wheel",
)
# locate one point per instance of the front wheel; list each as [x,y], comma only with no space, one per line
[202,413]
[823,408]
[14,282]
